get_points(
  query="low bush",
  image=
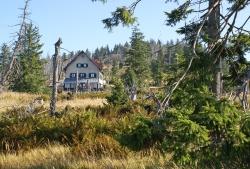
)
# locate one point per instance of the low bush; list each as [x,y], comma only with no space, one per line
[207,133]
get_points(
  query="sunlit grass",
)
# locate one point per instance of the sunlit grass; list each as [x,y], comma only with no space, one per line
[62,157]
[13,99]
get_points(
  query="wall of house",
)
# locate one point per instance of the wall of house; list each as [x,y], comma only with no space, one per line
[72,68]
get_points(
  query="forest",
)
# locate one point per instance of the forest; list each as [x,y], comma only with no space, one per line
[181,103]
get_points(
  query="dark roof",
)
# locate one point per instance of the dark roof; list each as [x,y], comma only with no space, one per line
[68,80]
[83,54]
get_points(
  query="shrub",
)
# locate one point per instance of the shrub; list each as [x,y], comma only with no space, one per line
[140,134]
[118,94]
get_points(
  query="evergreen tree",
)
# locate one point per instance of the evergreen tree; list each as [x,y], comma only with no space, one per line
[88,53]
[5,56]
[138,57]
[118,95]
[130,79]
[157,68]
[115,67]
[32,75]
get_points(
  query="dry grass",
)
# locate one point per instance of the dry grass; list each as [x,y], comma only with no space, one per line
[13,99]
[61,157]
[37,158]
[81,103]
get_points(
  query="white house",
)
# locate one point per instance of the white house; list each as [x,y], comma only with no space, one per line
[82,72]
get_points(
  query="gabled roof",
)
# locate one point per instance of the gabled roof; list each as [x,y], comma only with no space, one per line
[81,54]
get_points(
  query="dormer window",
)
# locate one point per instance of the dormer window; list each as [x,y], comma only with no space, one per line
[84,65]
[73,75]
[80,65]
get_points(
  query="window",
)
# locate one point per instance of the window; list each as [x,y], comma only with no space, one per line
[82,75]
[78,65]
[92,75]
[84,65]
[72,75]
[66,85]
[72,85]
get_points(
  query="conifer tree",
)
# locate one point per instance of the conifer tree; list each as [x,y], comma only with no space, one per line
[32,73]
[118,95]
[5,56]
[157,67]
[115,67]
[211,23]
[138,57]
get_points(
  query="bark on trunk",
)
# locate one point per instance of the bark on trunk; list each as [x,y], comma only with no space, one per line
[55,74]
[213,34]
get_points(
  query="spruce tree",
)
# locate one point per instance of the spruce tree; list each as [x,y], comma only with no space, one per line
[138,57]
[32,69]
[115,67]
[5,56]
[118,94]
[157,68]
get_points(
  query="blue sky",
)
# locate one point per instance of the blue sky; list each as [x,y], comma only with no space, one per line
[78,22]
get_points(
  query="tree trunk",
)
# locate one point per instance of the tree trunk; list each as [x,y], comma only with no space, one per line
[55,74]
[213,34]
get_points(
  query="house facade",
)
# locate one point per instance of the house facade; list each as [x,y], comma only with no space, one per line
[83,74]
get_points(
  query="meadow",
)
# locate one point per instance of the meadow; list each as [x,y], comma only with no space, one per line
[89,133]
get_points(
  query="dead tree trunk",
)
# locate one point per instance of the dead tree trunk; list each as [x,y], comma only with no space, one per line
[54,82]
[213,34]
[12,71]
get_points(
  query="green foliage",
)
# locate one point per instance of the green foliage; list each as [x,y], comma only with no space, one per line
[157,67]
[178,14]
[118,94]
[32,74]
[5,57]
[140,134]
[237,63]
[85,95]
[203,130]
[130,78]
[121,15]
[207,133]
[138,57]
[115,68]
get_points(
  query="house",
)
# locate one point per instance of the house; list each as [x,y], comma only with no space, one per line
[83,74]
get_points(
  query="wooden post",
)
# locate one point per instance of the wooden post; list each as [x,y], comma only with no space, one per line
[55,73]
[77,81]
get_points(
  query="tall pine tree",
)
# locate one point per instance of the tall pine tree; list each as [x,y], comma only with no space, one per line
[32,73]
[138,57]
[157,67]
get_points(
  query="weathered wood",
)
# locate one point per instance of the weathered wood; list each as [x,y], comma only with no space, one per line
[55,74]
[12,71]
[242,90]
[77,81]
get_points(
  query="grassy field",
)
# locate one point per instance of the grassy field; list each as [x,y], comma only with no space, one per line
[87,134]
[61,157]
[9,100]
[48,156]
